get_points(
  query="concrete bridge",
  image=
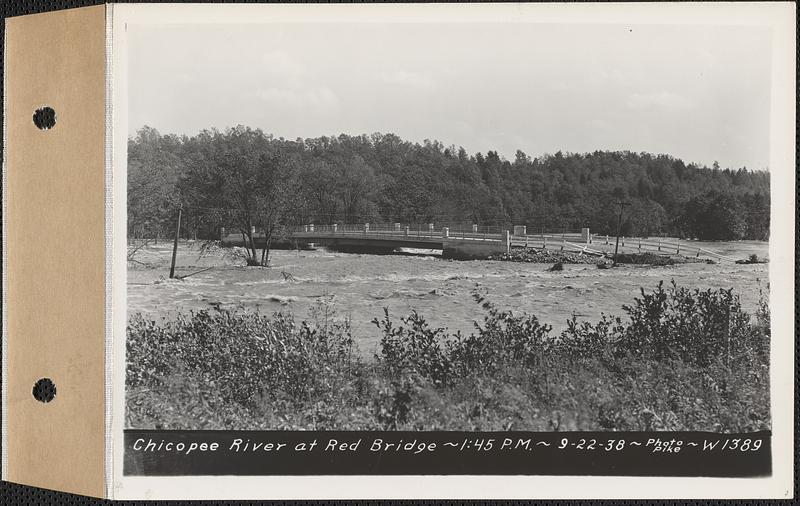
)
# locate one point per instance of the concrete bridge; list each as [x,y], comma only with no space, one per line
[466,243]
[455,242]
[387,238]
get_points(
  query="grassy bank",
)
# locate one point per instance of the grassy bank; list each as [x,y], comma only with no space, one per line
[679,359]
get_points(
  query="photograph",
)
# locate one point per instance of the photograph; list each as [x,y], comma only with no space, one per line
[427,225]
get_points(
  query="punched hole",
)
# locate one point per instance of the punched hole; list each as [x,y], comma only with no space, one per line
[44,118]
[44,390]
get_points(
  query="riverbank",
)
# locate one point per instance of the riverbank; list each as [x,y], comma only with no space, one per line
[544,256]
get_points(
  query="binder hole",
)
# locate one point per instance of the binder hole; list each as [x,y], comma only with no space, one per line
[44,118]
[44,390]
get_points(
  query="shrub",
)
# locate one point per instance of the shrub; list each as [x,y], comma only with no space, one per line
[681,360]
[695,326]
[413,349]
[246,355]
[504,339]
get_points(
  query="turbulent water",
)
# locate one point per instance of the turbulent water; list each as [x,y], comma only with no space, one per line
[360,286]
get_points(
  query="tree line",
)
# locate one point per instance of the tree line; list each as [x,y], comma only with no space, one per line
[242,177]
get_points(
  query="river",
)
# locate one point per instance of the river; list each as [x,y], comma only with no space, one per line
[360,286]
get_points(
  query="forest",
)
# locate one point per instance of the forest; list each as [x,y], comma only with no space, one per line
[242,177]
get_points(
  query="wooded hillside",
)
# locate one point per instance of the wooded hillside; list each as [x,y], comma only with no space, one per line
[242,177]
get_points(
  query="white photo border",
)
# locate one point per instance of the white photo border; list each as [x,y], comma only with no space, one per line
[779,17]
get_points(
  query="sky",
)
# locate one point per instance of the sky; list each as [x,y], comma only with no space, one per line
[700,93]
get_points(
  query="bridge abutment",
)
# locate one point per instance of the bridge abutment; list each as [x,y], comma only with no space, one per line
[467,249]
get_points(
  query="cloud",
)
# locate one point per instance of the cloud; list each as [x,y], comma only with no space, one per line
[320,98]
[410,79]
[660,100]
[280,63]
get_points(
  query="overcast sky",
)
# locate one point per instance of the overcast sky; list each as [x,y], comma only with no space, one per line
[700,93]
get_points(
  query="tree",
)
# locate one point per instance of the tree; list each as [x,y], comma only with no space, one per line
[250,180]
[323,203]
[277,199]
[714,216]
[356,188]
[239,178]
[154,166]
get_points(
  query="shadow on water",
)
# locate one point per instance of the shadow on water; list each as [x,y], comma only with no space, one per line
[372,250]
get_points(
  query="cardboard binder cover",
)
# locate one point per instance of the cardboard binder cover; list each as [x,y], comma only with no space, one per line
[86,410]
[54,263]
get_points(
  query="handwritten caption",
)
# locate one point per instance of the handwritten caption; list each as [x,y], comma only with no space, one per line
[654,445]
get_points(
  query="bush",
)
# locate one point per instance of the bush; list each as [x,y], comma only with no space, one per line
[680,360]
[502,340]
[413,349]
[695,326]
[247,356]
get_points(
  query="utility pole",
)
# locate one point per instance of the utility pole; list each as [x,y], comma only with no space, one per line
[619,225]
[175,244]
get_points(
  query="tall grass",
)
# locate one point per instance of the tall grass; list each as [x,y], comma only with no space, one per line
[678,359]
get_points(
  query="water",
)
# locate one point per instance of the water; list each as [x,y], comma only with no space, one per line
[360,286]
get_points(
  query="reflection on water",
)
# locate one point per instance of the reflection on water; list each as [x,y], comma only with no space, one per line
[360,286]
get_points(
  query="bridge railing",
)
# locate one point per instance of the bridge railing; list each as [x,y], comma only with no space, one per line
[578,241]
[603,244]
[419,230]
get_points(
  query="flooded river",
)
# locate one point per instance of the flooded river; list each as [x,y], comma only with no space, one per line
[360,286]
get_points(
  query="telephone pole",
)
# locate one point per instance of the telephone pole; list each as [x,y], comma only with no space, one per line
[175,244]
[619,225]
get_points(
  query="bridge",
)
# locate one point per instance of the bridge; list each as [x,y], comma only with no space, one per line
[461,244]
[473,242]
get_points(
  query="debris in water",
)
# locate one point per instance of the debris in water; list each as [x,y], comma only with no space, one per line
[753,259]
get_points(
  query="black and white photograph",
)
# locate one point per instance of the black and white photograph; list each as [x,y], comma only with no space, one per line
[424,225]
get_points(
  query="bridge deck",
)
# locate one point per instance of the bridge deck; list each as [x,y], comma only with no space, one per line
[391,237]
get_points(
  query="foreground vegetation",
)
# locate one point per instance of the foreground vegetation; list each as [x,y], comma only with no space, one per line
[680,359]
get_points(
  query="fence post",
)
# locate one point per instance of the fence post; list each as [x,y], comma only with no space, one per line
[507,240]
